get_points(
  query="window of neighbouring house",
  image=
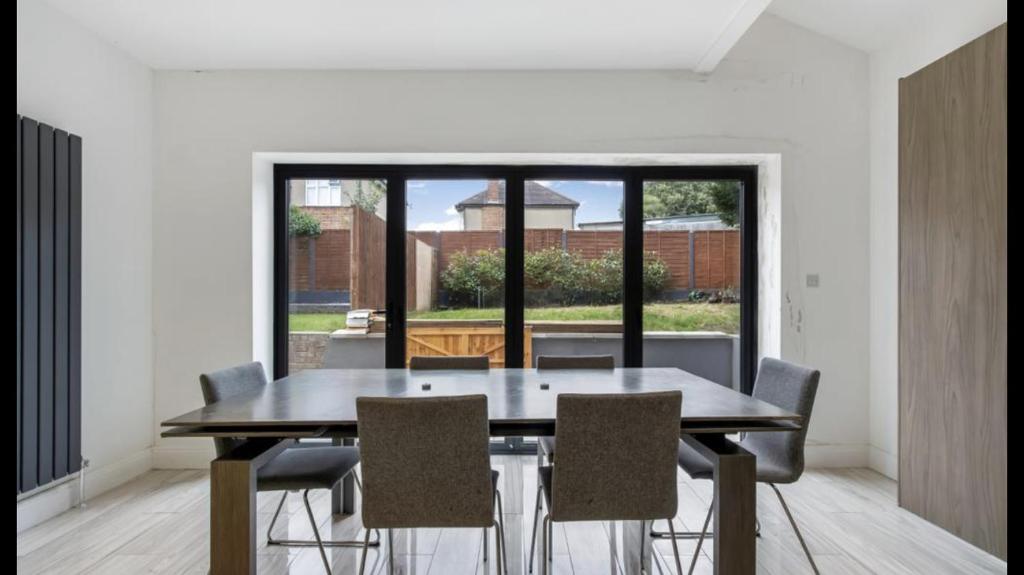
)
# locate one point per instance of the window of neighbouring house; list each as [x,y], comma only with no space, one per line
[326,193]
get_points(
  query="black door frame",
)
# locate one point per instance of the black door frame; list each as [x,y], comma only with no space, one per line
[515,177]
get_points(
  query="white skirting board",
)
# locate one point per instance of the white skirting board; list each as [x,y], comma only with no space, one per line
[50,502]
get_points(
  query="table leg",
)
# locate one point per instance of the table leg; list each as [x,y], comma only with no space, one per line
[735,472]
[343,496]
[233,505]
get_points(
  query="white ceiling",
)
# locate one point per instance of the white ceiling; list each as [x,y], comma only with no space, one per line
[873,25]
[869,25]
[420,34]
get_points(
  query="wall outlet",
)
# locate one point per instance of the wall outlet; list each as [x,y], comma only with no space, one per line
[812,280]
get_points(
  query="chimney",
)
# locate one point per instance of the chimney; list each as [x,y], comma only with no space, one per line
[494,192]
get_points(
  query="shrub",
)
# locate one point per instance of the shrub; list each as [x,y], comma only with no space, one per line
[301,223]
[550,276]
[474,279]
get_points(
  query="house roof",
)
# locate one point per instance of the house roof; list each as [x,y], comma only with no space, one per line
[534,195]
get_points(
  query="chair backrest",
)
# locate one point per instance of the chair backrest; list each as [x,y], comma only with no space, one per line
[425,462]
[224,383]
[791,387]
[575,362]
[617,456]
[418,362]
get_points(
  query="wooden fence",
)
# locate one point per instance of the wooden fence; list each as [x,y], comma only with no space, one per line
[354,259]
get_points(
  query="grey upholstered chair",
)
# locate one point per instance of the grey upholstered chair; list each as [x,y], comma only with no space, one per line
[426,463]
[617,461]
[423,362]
[296,468]
[546,443]
[780,455]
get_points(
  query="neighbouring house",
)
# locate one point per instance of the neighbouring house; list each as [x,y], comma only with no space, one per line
[688,223]
[544,208]
[330,272]
[322,198]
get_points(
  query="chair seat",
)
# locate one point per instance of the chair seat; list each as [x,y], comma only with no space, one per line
[697,467]
[307,468]
[547,445]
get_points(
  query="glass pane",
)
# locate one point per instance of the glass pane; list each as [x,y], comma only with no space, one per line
[572,268]
[336,273]
[692,246]
[455,272]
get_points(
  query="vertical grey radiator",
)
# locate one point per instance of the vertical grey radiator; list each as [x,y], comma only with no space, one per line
[49,376]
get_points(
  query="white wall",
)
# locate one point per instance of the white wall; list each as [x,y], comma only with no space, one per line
[70,79]
[948,25]
[781,90]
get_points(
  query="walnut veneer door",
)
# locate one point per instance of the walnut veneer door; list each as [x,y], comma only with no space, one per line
[952,269]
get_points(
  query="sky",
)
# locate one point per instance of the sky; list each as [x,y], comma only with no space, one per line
[431,203]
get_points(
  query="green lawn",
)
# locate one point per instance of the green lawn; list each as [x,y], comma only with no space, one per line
[657,317]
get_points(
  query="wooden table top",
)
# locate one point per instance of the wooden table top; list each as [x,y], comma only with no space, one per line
[324,400]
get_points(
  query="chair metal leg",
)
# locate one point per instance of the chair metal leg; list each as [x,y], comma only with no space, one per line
[391,552]
[485,544]
[316,532]
[675,547]
[551,543]
[500,536]
[536,519]
[280,504]
[795,528]
[545,544]
[700,541]
[366,547]
[676,534]
[306,543]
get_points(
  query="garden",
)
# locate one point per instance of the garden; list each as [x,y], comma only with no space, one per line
[561,286]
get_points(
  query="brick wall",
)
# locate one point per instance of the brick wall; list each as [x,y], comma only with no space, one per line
[492,218]
[306,350]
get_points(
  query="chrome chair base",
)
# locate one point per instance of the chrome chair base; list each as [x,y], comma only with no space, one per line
[546,548]
[499,537]
[697,534]
[789,516]
[316,532]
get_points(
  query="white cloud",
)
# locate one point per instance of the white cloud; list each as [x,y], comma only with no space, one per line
[454,224]
[451,211]
[605,183]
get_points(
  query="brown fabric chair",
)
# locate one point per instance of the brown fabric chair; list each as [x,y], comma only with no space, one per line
[424,362]
[298,468]
[426,463]
[617,461]
[546,443]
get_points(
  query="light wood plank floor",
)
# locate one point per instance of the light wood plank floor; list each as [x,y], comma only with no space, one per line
[158,523]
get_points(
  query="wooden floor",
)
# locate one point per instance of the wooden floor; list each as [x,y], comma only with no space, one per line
[158,523]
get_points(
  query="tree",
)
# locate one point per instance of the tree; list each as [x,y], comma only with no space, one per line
[367,194]
[680,198]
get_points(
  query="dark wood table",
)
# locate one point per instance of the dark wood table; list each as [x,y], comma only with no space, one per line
[321,403]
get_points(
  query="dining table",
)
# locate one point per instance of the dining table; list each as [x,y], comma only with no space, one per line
[321,403]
